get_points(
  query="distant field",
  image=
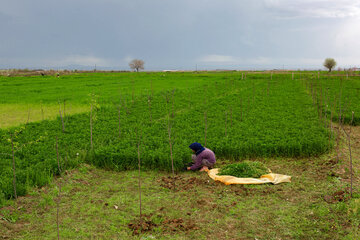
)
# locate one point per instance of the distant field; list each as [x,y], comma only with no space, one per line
[75,88]
[29,98]
[23,94]
[14,114]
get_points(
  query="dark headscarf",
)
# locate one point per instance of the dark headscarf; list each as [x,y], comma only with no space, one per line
[197,147]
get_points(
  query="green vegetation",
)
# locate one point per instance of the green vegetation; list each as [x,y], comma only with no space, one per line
[278,121]
[12,114]
[254,117]
[208,210]
[37,97]
[245,169]
[75,88]
[336,96]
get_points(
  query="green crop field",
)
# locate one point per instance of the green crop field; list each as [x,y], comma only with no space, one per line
[337,96]
[260,116]
[103,119]
[36,97]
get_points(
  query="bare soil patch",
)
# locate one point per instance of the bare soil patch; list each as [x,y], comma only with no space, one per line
[178,182]
[169,225]
[338,196]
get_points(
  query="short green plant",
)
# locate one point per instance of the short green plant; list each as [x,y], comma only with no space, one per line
[244,169]
[8,216]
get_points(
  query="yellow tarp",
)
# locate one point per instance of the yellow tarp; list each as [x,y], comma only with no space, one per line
[268,178]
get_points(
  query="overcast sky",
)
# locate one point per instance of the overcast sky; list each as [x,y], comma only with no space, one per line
[179,34]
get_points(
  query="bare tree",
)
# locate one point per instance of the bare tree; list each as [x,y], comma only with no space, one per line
[329,63]
[137,64]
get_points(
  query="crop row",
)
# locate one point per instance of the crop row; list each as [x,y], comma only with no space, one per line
[336,96]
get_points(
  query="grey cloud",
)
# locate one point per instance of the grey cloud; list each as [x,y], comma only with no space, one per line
[173,34]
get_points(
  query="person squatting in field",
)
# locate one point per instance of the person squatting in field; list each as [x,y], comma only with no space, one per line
[203,158]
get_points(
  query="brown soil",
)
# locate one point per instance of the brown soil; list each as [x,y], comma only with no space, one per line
[12,228]
[81,181]
[178,224]
[339,196]
[344,154]
[146,224]
[180,183]
[142,226]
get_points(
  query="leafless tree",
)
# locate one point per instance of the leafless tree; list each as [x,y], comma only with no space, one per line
[329,63]
[137,64]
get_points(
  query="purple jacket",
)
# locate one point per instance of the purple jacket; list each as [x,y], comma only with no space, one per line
[206,154]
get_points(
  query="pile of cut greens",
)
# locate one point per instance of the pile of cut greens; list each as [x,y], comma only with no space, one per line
[246,169]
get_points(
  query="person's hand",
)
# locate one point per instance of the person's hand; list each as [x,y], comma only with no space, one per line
[204,169]
[188,168]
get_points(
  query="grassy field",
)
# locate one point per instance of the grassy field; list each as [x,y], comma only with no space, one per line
[40,95]
[338,96]
[260,116]
[272,118]
[15,114]
[102,204]
[75,88]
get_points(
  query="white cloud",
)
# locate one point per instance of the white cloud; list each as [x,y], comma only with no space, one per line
[315,8]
